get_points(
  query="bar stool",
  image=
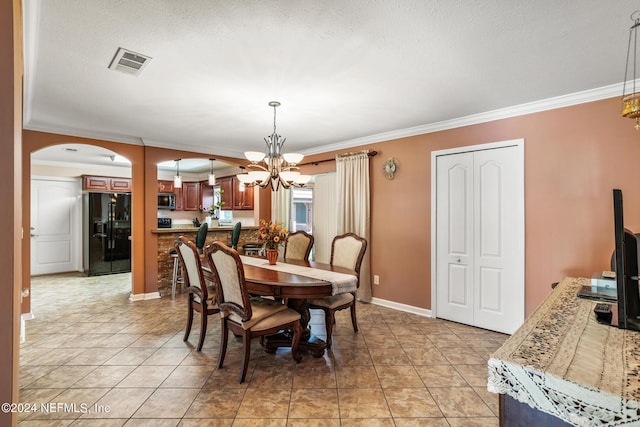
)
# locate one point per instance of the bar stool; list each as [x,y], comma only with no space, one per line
[177,277]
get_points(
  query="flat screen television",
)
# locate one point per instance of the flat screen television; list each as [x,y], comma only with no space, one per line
[626,265]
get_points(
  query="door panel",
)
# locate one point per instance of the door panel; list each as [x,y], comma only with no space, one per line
[454,237]
[500,258]
[55,226]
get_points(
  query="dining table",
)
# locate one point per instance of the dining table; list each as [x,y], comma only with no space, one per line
[293,282]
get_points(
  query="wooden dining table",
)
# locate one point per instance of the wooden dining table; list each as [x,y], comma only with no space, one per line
[294,289]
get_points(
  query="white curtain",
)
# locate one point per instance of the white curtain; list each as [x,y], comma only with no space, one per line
[353,199]
[324,216]
[281,209]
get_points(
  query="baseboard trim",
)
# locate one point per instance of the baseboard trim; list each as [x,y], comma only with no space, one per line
[144,297]
[402,307]
[23,318]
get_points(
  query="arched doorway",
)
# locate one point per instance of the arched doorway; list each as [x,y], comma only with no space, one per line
[74,220]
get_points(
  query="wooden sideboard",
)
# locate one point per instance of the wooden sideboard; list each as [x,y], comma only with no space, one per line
[562,367]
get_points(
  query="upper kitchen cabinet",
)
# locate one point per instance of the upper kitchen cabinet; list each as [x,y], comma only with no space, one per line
[232,196]
[105,183]
[191,197]
[242,200]
[226,195]
[165,186]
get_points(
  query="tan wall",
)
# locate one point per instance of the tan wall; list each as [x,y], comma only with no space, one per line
[11,193]
[574,157]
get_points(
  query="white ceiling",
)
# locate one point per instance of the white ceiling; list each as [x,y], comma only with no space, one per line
[346,72]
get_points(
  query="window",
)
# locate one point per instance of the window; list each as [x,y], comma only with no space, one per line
[302,209]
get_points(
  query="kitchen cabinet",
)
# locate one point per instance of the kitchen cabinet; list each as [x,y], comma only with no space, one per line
[242,200]
[191,198]
[106,183]
[165,186]
[226,184]
[207,195]
[233,197]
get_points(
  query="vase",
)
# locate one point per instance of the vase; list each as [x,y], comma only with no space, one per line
[272,256]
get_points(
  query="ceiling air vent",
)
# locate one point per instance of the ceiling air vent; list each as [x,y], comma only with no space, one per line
[128,61]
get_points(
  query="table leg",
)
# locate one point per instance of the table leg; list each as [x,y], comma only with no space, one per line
[308,341]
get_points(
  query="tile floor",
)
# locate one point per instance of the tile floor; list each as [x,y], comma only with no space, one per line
[125,364]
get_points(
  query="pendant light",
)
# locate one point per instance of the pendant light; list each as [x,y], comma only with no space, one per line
[177,180]
[212,177]
[631,95]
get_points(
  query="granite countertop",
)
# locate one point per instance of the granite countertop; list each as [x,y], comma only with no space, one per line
[191,229]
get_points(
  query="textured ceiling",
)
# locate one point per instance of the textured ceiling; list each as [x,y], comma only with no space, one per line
[345,71]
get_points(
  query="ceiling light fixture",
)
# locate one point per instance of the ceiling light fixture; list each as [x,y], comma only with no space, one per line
[281,169]
[177,180]
[212,177]
[631,98]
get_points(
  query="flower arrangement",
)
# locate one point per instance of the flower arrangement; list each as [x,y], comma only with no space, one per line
[271,233]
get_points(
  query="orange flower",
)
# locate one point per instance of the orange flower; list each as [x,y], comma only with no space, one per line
[271,233]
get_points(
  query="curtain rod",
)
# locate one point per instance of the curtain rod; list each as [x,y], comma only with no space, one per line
[317,162]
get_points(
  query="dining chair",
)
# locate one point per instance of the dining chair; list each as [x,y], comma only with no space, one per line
[201,238]
[245,316]
[298,245]
[347,250]
[200,299]
[235,235]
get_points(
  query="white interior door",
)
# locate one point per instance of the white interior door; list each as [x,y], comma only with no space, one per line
[55,226]
[455,237]
[480,238]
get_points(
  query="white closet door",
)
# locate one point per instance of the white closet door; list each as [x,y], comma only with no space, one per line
[480,238]
[455,237]
[498,246]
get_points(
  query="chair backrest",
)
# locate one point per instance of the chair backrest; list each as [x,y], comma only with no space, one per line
[298,245]
[347,250]
[201,237]
[228,273]
[191,266]
[235,235]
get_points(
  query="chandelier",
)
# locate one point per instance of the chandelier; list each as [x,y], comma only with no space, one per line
[630,96]
[280,169]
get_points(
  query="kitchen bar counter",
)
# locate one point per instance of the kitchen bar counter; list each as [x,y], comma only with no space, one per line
[562,362]
[167,236]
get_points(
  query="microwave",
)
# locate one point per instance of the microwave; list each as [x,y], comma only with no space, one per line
[167,201]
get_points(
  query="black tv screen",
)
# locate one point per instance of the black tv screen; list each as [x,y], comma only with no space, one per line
[626,265]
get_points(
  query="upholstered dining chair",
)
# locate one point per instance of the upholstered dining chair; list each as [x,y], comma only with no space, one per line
[298,245]
[347,250]
[235,235]
[244,316]
[201,238]
[199,298]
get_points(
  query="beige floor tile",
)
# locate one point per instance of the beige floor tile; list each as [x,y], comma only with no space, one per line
[152,423]
[411,402]
[389,356]
[131,356]
[442,376]
[121,403]
[398,376]
[314,404]
[473,422]
[272,377]
[70,404]
[363,403]
[463,356]
[206,422]
[491,399]
[104,376]
[421,422]
[99,423]
[258,404]
[313,423]
[322,376]
[368,422]
[167,403]
[146,377]
[167,356]
[62,377]
[460,402]
[475,375]
[357,377]
[239,422]
[216,403]
[94,356]
[188,377]
[426,356]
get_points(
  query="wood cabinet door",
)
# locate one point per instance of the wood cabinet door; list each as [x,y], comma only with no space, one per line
[207,195]
[247,201]
[98,183]
[179,200]
[242,200]
[191,200]
[120,184]
[165,187]
[226,184]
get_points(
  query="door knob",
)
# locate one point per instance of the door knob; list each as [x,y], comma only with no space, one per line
[34,235]
[458,260]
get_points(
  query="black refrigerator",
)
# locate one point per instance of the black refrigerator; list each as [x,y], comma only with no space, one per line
[107,233]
